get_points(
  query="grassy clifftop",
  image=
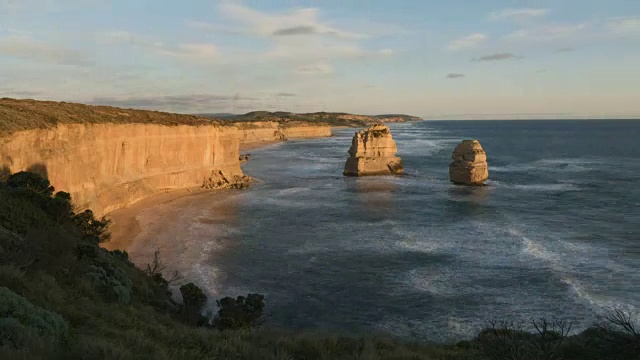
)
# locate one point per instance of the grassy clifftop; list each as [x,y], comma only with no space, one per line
[329,118]
[17,115]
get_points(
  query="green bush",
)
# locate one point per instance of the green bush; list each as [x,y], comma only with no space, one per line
[112,282]
[20,320]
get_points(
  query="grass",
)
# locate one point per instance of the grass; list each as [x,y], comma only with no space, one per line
[17,115]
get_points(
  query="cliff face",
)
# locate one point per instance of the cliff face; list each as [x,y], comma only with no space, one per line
[261,131]
[373,152]
[108,166]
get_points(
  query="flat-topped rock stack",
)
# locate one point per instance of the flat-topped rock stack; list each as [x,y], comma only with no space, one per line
[373,152]
[469,165]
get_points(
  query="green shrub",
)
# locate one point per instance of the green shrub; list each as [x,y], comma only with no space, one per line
[20,320]
[112,282]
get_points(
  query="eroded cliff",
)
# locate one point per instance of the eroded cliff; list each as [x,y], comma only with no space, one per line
[264,131]
[108,158]
[108,166]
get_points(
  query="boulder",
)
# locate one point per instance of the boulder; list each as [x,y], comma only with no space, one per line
[373,152]
[469,165]
[220,180]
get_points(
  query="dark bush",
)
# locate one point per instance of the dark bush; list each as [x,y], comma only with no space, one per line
[239,313]
[21,320]
[194,300]
[30,181]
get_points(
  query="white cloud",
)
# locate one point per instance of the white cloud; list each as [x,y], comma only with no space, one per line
[517,14]
[468,42]
[624,25]
[546,33]
[296,22]
[315,69]
[182,51]
[25,47]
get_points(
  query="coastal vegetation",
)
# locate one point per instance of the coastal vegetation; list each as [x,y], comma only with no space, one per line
[328,118]
[62,296]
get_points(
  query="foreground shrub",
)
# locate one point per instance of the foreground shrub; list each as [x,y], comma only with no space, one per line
[21,320]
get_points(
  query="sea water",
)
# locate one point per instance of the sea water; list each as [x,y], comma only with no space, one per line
[555,235]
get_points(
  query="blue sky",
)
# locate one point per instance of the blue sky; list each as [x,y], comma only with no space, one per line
[458,59]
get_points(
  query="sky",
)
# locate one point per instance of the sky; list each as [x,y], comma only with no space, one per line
[430,58]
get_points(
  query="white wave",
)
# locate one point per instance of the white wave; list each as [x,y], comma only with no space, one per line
[293,190]
[418,246]
[546,187]
[550,165]
[562,264]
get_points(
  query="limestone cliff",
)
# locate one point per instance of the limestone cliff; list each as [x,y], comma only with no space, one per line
[108,166]
[264,131]
[373,152]
[108,157]
[469,164]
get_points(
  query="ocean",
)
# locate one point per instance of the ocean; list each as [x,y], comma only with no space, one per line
[555,235]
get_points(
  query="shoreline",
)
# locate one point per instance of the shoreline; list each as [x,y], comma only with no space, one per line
[125,228]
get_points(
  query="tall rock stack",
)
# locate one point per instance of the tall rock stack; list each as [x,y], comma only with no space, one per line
[469,165]
[373,152]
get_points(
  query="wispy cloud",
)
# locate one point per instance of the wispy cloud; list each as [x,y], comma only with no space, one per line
[25,47]
[315,69]
[181,51]
[546,33]
[624,25]
[171,101]
[467,42]
[455,76]
[498,57]
[517,14]
[303,21]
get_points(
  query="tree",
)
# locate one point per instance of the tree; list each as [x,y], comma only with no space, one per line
[30,181]
[194,300]
[239,313]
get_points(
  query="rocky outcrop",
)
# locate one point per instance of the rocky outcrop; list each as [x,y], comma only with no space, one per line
[469,165]
[108,166]
[219,180]
[373,152]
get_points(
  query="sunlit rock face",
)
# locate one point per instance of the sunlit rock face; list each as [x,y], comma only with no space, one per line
[373,152]
[469,164]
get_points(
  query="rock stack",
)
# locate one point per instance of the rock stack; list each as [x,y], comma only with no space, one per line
[469,165]
[373,152]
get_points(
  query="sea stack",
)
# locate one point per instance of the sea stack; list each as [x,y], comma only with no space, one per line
[469,165]
[373,152]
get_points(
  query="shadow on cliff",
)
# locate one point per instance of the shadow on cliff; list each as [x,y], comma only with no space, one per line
[39,169]
[5,172]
